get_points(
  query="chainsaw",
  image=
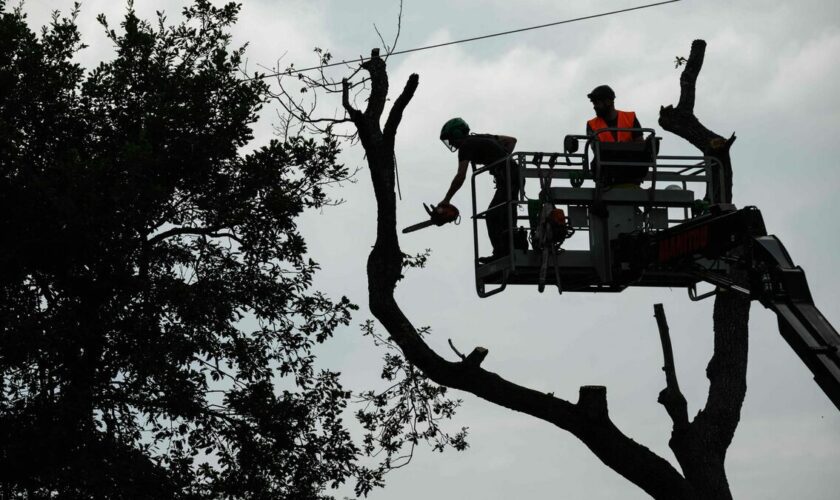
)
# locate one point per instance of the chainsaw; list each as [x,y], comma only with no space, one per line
[438,216]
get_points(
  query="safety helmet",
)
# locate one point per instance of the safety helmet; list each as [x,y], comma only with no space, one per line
[453,130]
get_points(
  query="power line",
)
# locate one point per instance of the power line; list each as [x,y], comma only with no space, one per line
[473,39]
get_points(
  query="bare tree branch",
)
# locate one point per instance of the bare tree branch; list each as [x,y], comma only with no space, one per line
[688,78]
[671,397]
[395,115]
[682,122]
[390,50]
[197,231]
[381,39]
[379,86]
[345,100]
[457,352]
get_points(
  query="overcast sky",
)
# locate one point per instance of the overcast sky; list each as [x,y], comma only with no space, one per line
[771,75]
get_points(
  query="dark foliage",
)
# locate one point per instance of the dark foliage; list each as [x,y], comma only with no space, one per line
[156,316]
[408,412]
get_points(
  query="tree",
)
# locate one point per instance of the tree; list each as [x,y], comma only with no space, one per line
[700,444]
[158,321]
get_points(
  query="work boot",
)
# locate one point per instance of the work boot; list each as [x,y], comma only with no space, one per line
[486,260]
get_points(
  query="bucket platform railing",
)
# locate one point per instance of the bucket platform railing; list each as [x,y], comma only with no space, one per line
[657,208]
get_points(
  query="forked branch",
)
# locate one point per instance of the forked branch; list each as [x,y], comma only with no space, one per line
[681,121]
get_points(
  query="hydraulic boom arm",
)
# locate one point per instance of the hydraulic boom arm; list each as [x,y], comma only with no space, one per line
[781,287]
[773,280]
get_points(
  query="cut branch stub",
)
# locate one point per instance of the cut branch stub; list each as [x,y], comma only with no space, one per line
[474,359]
[592,401]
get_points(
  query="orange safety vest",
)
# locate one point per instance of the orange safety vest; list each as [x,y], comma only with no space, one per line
[625,120]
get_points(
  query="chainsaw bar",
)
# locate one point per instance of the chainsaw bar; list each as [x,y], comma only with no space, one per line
[435,219]
[420,225]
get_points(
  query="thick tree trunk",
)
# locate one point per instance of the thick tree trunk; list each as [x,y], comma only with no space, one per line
[701,446]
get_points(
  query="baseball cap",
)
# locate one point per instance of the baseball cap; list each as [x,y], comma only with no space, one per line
[601,92]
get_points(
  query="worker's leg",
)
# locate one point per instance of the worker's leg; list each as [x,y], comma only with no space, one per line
[497,219]
[496,222]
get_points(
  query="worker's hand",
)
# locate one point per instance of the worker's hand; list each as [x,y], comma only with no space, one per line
[443,213]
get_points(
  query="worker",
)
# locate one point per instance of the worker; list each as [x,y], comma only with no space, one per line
[606,116]
[484,149]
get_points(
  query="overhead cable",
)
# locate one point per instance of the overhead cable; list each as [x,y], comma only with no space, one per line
[291,71]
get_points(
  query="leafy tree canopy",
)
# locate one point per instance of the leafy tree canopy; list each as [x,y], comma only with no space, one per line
[154,288]
[157,320]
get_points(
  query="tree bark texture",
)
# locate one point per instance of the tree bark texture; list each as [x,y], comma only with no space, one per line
[700,445]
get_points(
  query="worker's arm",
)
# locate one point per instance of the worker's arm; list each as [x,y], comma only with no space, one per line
[457,181]
[507,142]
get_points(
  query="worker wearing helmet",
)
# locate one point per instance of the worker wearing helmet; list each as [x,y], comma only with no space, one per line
[483,149]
